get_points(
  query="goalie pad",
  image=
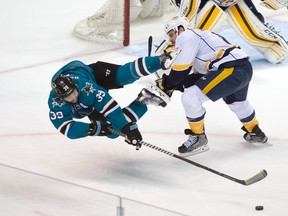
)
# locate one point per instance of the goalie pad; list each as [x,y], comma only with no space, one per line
[210,17]
[189,9]
[253,31]
[274,4]
[226,3]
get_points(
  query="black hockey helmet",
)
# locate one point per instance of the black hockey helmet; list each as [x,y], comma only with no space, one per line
[63,86]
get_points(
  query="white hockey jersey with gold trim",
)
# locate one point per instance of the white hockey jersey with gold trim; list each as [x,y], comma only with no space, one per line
[204,50]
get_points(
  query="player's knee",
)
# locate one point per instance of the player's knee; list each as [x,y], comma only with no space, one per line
[192,102]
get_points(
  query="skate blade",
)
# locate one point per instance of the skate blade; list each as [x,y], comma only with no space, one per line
[196,151]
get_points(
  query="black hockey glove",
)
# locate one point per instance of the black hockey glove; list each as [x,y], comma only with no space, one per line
[191,79]
[99,128]
[162,84]
[133,135]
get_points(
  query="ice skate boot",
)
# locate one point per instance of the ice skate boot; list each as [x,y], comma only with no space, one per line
[195,144]
[256,136]
[149,98]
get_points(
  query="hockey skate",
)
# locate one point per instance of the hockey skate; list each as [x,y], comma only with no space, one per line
[256,136]
[195,144]
[149,98]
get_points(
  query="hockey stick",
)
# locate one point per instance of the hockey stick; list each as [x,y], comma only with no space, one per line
[152,87]
[150,41]
[258,177]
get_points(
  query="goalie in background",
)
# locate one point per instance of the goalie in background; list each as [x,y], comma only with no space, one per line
[274,4]
[243,17]
[80,90]
[223,71]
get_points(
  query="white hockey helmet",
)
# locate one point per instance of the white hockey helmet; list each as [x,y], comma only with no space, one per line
[174,23]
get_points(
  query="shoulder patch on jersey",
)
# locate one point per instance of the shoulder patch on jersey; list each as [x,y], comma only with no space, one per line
[57,102]
[88,88]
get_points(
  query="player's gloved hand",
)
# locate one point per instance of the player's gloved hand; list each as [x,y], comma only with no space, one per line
[162,84]
[133,135]
[99,128]
[167,58]
[191,79]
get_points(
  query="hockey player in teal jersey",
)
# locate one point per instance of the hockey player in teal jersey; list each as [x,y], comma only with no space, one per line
[80,90]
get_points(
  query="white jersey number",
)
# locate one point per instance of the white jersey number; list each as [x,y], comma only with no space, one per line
[55,115]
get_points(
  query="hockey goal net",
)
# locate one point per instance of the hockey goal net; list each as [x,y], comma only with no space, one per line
[111,23]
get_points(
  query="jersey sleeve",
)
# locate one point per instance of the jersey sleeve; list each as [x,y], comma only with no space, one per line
[184,61]
[61,117]
[96,96]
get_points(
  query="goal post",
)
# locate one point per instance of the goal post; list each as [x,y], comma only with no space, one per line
[111,23]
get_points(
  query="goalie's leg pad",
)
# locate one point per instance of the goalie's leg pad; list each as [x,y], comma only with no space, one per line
[274,4]
[210,17]
[189,9]
[257,34]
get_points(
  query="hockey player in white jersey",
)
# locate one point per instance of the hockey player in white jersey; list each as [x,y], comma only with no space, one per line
[223,71]
[243,17]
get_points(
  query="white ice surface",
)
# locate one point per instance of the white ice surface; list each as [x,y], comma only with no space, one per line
[36,41]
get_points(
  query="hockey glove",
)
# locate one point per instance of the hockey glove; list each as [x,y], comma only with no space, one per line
[162,84]
[133,135]
[167,58]
[99,128]
[191,79]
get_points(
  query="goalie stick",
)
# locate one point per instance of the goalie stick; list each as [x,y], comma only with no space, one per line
[257,177]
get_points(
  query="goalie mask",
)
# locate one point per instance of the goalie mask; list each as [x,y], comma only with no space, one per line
[175,23]
[63,86]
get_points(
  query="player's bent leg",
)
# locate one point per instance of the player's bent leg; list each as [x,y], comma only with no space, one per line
[132,71]
[246,114]
[192,100]
[134,111]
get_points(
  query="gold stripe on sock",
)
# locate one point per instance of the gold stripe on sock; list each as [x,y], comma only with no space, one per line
[197,127]
[250,125]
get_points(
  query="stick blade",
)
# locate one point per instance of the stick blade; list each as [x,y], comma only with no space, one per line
[258,177]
